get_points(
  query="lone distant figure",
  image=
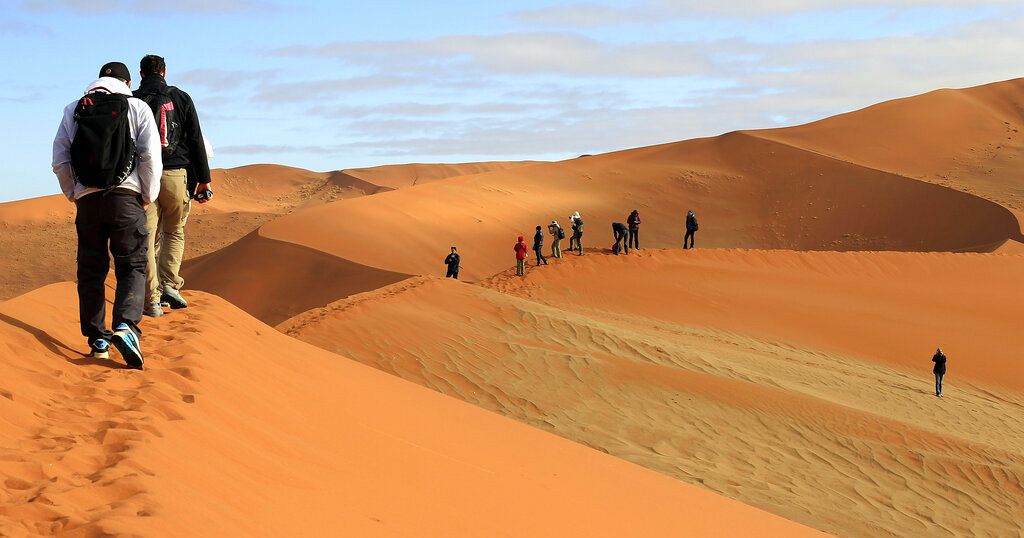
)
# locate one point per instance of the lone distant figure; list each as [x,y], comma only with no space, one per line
[521,254]
[939,370]
[633,221]
[452,261]
[691,229]
[619,229]
[576,241]
[557,235]
[538,247]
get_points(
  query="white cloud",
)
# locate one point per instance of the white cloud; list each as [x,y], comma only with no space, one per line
[153,6]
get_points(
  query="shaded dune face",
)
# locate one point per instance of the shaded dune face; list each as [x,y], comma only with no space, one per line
[274,280]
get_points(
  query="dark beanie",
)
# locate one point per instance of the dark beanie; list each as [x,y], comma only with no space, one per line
[116,70]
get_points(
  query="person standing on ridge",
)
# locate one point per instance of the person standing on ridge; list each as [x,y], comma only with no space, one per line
[106,157]
[538,247]
[939,370]
[691,229]
[521,255]
[186,175]
[620,232]
[452,261]
[576,241]
[557,235]
[633,221]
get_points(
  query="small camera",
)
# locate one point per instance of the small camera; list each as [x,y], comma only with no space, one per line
[203,196]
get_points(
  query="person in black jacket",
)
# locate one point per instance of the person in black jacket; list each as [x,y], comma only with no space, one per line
[452,261]
[691,229]
[186,175]
[939,370]
[538,246]
[633,221]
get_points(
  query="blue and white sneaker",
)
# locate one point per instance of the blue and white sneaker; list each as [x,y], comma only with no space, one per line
[100,349]
[128,345]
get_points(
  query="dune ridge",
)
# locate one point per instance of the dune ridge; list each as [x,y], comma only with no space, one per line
[671,360]
[240,430]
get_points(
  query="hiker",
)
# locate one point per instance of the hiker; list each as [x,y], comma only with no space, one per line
[633,221]
[521,255]
[691,228]
[186,175]
[452,261]
[106,157]
[621,233]
[576,241]
[538,247]
[557,235]
[939,370]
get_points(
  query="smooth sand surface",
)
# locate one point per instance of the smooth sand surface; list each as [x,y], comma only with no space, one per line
[239,430]
[799,383]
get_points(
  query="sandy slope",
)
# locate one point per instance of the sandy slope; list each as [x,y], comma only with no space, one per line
[796,382]
[37,236]
[239,430]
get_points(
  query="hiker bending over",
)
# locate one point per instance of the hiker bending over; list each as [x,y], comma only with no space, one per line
[633,221]
[939,370]
[521,254]
[620,231]
[452,261]
[691,229]
[106,156]
[538,247]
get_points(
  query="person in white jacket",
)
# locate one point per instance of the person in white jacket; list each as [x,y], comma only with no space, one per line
[112,219]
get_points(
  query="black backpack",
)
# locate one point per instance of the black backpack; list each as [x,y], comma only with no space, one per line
[561,233]
[103,151]
[166,117]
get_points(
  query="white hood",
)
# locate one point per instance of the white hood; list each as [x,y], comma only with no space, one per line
[112,85]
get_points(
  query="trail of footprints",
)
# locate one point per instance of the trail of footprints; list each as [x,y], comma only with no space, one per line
[77,461]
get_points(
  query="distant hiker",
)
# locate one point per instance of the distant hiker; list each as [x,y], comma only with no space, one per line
[452,261]
[691,228]
[521,255]
[633,221]
[939,370]
[106,156]
[621,233]
[557,235]
[186,176]
[538,247]
[576,241]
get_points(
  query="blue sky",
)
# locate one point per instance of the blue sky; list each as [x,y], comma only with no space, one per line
[327,85]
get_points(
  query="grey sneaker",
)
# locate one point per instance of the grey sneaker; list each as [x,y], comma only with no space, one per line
[173,298]
[153,310]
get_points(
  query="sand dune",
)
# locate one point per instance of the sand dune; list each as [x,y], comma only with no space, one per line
[796,382]
[37,236]
[239,430]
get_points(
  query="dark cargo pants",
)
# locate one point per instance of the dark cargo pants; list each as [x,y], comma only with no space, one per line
[114,221]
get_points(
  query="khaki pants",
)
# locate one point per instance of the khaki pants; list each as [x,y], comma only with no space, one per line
[556,247]
[520,267]
[165,220]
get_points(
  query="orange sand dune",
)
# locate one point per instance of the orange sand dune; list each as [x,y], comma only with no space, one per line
[397,176]
[37,237]
[799,383]
[968,139]
[239,430]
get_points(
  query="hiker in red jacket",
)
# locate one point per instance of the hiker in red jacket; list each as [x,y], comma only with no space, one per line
[521,255]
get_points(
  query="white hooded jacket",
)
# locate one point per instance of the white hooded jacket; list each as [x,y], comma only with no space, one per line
[145,179]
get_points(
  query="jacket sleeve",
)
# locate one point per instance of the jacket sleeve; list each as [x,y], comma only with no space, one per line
[198,159]
[62,155]
[147,143]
